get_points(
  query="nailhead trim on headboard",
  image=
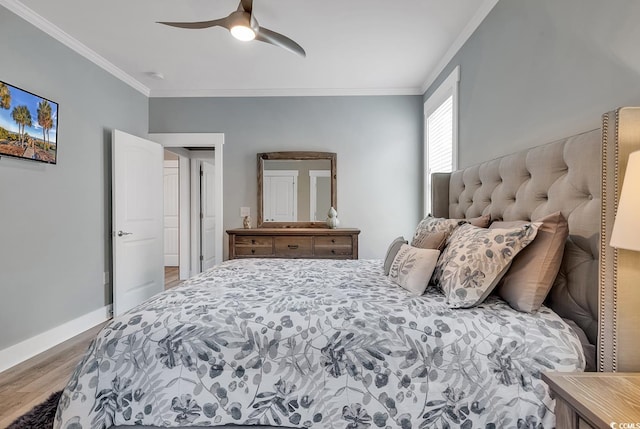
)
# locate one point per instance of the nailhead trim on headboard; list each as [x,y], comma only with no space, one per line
[618,347]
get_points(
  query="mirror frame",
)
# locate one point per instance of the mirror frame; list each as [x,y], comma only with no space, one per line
[295,156]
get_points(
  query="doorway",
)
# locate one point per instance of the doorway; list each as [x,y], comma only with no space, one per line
[200,233]
[202,202]
[138,215]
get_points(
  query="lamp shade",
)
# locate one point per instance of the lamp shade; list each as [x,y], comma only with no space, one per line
[626,228]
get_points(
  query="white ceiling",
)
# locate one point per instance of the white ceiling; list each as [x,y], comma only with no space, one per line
[353,46]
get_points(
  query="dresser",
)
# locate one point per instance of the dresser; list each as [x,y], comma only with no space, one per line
[595,400]
[308,243]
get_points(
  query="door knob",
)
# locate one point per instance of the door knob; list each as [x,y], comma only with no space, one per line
[121,233]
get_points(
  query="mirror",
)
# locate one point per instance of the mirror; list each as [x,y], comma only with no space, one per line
[295,189]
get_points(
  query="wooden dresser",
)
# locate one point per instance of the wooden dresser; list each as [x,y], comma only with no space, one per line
[595,400]
[316,243]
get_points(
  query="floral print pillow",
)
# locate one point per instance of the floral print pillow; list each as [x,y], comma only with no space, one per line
[475,260]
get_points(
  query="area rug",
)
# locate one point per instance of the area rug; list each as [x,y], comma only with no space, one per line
[39,417]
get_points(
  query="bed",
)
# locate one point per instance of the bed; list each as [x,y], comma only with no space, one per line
[334,344]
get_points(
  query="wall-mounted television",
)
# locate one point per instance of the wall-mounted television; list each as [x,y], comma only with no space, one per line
[28,125]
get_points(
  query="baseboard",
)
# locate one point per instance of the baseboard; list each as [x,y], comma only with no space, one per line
[18,353]
[171,261]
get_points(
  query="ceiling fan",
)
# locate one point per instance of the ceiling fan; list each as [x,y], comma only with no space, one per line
[244,26]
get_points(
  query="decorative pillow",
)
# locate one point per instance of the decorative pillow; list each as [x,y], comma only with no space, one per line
[392,251]
[431,240]
[440,224]
[476,258]
[534,270]
[412,268]
[481,221]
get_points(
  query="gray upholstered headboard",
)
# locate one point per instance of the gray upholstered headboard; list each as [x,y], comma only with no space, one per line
[561,176]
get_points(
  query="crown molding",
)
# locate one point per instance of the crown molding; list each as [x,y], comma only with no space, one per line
[462,38]
[282,92]
[57,33]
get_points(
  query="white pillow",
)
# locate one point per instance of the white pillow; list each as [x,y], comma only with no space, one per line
[412,268]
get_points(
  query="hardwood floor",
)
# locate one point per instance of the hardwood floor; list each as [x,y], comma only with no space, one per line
[31,382]
[171,277]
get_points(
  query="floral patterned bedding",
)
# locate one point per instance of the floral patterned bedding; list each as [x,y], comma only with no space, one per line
[321,344]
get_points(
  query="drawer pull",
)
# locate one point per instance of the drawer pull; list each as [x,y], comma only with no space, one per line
[333,251]
[292,246]
[333,240]
[253,250]
[253,241]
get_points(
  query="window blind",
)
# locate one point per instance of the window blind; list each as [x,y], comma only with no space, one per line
[439,129]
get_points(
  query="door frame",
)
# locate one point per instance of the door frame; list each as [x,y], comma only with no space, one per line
[313,190]
[173,163]
[200,140]
[196,236]
[196,209]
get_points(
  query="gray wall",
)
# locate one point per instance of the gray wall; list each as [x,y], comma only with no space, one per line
[378,141]
[54,218]
[536,71]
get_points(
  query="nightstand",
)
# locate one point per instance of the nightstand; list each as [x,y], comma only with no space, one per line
[595,400]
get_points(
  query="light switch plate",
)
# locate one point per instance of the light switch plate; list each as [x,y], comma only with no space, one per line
[245,211]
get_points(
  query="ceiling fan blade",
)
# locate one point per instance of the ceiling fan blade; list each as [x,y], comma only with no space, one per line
[222,22]
[277,39]
[246,5]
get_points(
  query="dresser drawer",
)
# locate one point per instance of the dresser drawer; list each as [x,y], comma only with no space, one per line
[294,247]
[340,246]
[250,240]
[333,251]
[254,251]
[340,240]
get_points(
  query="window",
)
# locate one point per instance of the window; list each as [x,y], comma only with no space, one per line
[440,132]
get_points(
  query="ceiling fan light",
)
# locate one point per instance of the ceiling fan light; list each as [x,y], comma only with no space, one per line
[243,33]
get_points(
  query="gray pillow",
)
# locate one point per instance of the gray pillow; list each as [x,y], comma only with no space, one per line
[392,251]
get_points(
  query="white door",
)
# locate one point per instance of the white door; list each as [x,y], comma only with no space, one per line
[319,194]
[280,195]
[171,213]
[208,218]
[137,188]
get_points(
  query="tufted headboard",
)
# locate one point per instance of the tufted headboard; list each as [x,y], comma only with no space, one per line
[561,176]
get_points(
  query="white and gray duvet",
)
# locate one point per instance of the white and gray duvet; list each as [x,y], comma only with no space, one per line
[321,344]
